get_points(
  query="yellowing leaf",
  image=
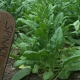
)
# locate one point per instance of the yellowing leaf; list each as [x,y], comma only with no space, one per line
[22,67]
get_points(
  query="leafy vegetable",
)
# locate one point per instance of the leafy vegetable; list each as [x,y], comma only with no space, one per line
[47,36]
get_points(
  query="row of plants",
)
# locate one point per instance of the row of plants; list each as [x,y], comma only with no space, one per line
[47,37]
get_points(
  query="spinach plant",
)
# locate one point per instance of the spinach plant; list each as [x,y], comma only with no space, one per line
[42,32]
[44,53]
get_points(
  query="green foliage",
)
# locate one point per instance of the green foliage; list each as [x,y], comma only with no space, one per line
[48,75]
[46,33]
[57,38]
[35,69]
[22,73]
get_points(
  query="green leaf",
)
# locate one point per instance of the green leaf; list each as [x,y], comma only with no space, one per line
[67,70]
[44,53]
[23,36]
[14,56]
[48,75]
[30,23]
[20,74]
[75,66]
[59,18]
[76,25]
[30,55]
[22,47]
[41,35]
[51,19]
[65,73]
[57,38]
[51,8]
[30,62]
[76,41]
[19,62]
[35,68]
[71,59]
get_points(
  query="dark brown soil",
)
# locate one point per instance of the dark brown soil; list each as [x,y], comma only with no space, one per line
[32,77]
[10,71]
[75,76]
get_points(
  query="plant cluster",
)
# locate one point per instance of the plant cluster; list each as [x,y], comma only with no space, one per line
[47,37]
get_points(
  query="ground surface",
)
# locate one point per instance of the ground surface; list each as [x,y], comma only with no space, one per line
[10,71]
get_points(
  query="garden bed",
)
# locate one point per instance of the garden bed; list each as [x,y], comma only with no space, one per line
[47,38]
[10,71]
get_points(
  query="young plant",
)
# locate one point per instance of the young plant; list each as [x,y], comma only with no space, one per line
[43,47]
[44,53]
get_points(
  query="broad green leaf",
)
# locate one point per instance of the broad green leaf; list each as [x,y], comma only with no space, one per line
[31,16]
[57,38]
[23,36]
[23,58]
[71,59]
[48,75]
[30,23]
[35,68]
[36,18]
[2,5]
[77,41]
[30,62]
[75,66]
[78,1]
[41,35]
[20,74]
[44,53]
[18,9]
[75,52]
[76,25]
[19,62]
[29,52]
[18,40]
[59,18]
[51,19]
[38,55]
[65,73]
[67,70]
[51,8]
[31,55]
[14,56]
[22,47]
[27,3]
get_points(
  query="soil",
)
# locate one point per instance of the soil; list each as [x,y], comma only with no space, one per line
[10,71]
